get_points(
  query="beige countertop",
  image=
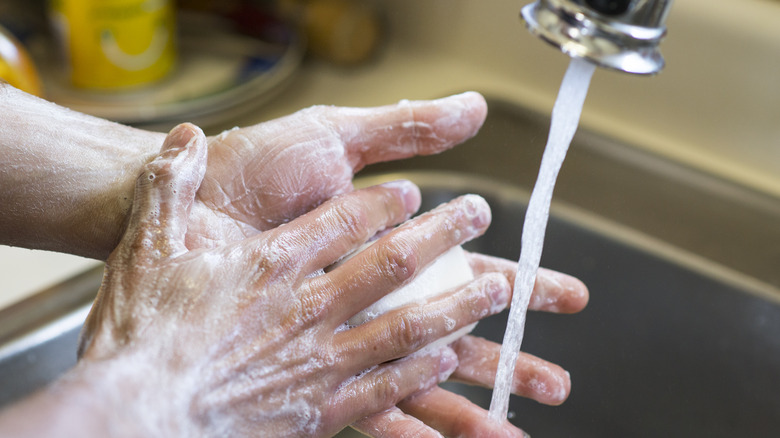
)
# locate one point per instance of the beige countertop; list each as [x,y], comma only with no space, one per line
[715,107]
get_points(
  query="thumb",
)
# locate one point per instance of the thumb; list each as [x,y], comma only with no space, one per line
[164,195]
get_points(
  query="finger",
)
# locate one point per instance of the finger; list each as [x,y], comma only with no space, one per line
[455,416]
[409,328]
[553,291]
[407,128]
[393,423]
[319,238]
[399,255]
[164,194]
[381,387]
[534,378]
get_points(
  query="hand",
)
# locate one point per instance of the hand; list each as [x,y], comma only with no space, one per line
[244,339]
[258,177]
[346,139]
[334,182]
[81,197]
[434,411]
[265,175]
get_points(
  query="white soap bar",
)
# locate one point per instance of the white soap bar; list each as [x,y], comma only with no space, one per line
[447,272]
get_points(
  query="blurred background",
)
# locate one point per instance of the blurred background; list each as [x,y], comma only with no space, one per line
[159,62]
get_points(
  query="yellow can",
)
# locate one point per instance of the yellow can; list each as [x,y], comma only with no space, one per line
[113,44]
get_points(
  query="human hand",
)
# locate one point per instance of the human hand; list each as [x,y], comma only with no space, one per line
[434,411]
[289,165]
[84,168]
[267,174]
[243,339]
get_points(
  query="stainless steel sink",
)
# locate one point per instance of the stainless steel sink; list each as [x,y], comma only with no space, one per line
[663,348]
[681,337]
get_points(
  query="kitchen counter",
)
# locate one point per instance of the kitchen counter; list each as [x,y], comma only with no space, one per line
[715,107]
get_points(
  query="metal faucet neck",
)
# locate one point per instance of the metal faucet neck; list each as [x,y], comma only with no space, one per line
[621,35]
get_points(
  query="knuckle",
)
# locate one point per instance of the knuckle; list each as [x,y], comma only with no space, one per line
[274,255]
[352,218]
[313,306]
[397,259]
[408,332]
[386,387]
[306,312]
[325,357]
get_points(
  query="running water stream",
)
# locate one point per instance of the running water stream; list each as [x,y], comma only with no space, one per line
[565,118]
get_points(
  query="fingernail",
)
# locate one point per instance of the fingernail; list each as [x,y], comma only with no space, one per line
[478,210]
[409,192]
[500,293]
[180,136]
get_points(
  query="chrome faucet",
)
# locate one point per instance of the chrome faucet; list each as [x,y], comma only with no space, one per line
[621,35]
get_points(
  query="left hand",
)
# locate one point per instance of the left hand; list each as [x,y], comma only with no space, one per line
[268,174]
[258,177]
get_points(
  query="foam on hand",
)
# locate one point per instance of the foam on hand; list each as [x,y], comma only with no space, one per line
[446,273]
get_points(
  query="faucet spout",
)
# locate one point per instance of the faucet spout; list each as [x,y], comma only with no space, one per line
[621,35]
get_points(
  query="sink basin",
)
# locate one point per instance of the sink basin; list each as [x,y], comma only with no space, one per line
[681,337]
[662,349]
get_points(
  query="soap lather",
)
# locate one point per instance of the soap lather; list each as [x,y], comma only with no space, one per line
[621,35]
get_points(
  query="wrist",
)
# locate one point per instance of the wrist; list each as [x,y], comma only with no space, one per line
[118,397]
[67,178]
[77,404]
[99,220]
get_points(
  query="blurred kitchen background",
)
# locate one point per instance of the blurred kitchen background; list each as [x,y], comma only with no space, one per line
[716,106]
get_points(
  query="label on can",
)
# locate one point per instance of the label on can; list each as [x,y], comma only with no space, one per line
[111,44]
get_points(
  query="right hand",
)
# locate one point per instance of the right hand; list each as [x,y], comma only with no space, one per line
[436,411]
[244,339]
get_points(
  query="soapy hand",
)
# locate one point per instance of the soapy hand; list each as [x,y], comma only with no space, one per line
[258,177]
[248,338]
[289,165]
[433,412]
[267,174]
